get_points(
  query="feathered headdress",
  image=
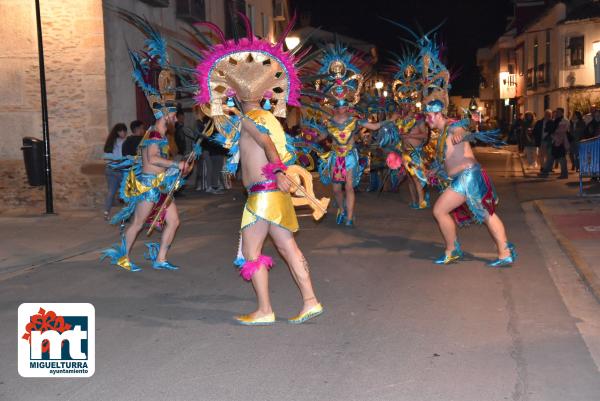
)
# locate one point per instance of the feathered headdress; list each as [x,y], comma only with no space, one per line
[248,69]
[408,79]
[435,77]
[151,68]
[342,77]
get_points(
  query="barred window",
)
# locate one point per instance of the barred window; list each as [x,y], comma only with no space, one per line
[576,51]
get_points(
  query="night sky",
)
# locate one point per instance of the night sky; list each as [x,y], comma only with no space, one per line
[470,24]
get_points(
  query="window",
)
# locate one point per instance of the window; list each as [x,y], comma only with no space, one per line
[191,10]
[157,3]
[575,51]
[535,63]
[265,25]
[542,74]
[250,14]
[233,23]
[548,46]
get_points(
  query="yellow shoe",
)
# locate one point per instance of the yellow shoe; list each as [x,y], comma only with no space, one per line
[127,264]
[309,314]
[248,320]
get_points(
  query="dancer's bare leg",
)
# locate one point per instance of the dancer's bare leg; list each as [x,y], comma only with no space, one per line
[350,194]
[142,211]
[447,202]
[419,188]
[287,247]
[498,233]
[171,224]
[338,193]
[253,238]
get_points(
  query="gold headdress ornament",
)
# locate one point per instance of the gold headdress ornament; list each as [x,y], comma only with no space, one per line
[343,80]
[151,68]
[434,78]
[436,82]
[248,69]
[408,81]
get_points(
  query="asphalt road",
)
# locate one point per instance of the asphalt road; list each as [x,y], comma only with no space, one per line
[396,326]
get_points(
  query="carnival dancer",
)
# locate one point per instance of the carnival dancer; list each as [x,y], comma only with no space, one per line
[234,77]
[414,135]
[151,175]
[341,88]
[470,195]
[413,132]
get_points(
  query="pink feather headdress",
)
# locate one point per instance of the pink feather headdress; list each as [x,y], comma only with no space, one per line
[249,69]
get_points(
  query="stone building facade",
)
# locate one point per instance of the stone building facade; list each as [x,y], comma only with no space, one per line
[76,84]
[89,84]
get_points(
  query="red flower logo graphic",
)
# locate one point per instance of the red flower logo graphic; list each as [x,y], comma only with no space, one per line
[43,321]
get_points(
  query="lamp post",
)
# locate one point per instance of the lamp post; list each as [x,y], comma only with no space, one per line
[45,129]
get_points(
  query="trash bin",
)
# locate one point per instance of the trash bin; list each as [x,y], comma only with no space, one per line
[33,155]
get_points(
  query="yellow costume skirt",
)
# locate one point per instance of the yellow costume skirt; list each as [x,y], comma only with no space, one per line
[266,202]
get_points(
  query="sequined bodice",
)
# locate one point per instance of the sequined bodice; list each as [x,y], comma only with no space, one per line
[342,133]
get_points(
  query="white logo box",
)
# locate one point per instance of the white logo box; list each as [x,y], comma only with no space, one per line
[77,362]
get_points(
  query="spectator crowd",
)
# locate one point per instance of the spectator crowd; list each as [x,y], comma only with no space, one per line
[207,175]
[546,143]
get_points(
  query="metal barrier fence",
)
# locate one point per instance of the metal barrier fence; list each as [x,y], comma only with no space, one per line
[589,160]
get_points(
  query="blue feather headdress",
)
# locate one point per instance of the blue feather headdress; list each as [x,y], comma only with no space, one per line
[435,77]
[342,77]
[151,68]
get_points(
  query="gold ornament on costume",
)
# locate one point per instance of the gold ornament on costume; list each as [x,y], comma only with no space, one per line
[167,85]
[248,76]
[337,69]
[436,86]
[343,90]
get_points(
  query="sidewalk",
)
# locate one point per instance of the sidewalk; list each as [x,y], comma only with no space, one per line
[574,220]
[33,240]
[576,225]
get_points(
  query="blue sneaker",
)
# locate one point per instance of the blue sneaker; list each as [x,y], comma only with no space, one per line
[340,217]
[163,265]
[507,261]
[455,255]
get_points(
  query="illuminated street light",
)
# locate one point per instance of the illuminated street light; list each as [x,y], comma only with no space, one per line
[385,93]
[292,41]
[378,85]
[418,104]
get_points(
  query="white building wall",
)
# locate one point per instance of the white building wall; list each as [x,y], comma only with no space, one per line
[583,74]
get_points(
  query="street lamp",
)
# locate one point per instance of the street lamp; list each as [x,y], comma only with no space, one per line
[385,93]
[292,41]
[473,104]
[378,85]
